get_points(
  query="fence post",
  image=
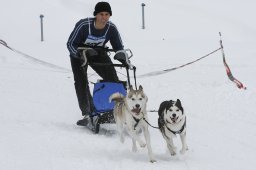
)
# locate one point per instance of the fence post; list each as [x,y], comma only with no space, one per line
[42,32]
[143,15]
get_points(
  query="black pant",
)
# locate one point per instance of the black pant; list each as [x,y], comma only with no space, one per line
[107,73]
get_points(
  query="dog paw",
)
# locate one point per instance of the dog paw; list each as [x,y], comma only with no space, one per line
[173,153]
[152,160]
[134,148]
[172,150]
[143,145]
[182,151]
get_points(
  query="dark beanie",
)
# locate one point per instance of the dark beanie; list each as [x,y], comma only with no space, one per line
[102,7]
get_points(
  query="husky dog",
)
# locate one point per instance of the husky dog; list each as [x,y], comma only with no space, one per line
[172,121]
[130,114]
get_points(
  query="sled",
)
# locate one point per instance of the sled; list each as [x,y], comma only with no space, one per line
[102,90]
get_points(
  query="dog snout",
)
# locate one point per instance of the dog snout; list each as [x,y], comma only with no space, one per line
[173,115]
[137,106]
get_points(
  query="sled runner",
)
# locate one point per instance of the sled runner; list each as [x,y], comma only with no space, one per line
[102,90]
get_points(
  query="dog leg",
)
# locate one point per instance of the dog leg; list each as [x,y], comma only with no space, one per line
[120,129]
[184,143]
[148,142]
[134,146]
[136,137]
[122,136]
[171,147]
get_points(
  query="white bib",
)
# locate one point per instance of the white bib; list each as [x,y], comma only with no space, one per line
[92,40]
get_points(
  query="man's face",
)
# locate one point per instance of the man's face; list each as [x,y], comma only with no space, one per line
[102,17]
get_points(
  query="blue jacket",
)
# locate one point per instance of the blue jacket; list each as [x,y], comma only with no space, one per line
[81,32]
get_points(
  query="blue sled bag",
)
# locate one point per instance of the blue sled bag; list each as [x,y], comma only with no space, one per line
[101,93]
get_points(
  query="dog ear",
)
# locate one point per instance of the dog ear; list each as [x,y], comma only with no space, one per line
[161,109]
[142,92]
[131,88]
[178,104]
[171,103]
[130,92]
[140,88]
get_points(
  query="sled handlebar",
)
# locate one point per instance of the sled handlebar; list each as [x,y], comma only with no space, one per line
[96,48]
[122,56]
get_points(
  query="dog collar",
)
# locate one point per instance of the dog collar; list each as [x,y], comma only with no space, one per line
[177,132]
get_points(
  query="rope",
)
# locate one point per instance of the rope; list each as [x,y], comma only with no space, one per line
[147,121]
[156,73]
[152,110]
[35,59]
[150,124]
[2,42]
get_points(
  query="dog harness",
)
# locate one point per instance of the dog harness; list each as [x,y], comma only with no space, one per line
[177,132]
[137,121]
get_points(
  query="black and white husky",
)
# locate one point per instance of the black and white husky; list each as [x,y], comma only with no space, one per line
[130,115]
[172,121]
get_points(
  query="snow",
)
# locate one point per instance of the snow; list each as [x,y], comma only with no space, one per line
[38,105]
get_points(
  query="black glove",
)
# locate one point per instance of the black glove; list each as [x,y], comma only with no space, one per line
[120,56]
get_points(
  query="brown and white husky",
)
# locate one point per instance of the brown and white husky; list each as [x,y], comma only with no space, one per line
[130,115]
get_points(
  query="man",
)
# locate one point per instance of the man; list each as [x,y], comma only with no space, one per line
[93,32]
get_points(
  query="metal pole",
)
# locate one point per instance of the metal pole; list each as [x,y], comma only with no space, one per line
[143,16]
[42,33]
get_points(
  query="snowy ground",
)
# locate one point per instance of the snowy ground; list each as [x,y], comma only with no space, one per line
[38,106]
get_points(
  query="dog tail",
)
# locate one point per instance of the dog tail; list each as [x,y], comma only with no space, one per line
[116,97]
